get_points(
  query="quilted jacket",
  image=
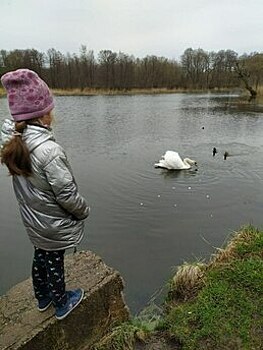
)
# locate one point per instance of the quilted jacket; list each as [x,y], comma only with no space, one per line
[51,207]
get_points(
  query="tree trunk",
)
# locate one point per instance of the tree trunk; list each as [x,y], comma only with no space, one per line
[244,76]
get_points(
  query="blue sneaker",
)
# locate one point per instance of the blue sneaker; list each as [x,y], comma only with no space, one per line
[74,297]
[44,304]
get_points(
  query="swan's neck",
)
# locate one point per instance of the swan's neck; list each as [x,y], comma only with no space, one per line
[187,163]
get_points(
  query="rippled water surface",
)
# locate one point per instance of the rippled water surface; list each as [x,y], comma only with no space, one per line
[144,221]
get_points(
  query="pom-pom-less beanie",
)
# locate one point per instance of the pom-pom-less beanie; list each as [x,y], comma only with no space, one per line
[28,95]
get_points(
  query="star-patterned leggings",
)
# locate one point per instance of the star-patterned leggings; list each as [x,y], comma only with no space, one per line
[48,276]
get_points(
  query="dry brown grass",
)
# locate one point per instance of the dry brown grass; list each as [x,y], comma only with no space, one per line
[74,92]
[96,92]
[187,281]
[136,91]
[229,252]
[2,92]
[260,90]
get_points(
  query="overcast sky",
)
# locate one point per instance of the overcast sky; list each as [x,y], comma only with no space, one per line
[138,27]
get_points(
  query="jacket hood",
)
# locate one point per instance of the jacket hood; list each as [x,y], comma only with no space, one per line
[7,130]
[33,135]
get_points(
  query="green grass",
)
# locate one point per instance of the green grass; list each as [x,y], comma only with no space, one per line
[124,336]
[227,312]
[127,334]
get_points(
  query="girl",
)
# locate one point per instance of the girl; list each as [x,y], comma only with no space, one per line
[51,207]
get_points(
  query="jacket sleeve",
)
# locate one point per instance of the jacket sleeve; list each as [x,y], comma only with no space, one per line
[61,180]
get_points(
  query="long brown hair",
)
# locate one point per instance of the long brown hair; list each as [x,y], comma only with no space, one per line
[15,154]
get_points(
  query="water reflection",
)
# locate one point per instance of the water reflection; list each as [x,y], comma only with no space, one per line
[175,174]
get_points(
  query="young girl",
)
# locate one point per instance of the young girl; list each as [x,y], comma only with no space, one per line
[51,207]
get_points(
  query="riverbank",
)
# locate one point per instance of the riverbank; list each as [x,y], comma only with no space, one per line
[110,92]
[134,91]
[113,92]
[98,92]
[139,91]
[213,305]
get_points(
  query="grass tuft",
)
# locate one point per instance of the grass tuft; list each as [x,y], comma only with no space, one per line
[124,336]
[187,281]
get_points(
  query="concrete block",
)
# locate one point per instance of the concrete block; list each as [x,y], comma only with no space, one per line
[23,327]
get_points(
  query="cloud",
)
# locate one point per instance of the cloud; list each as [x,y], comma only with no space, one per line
[164,28]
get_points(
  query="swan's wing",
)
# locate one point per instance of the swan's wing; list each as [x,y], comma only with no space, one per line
[162,164]
[173,160]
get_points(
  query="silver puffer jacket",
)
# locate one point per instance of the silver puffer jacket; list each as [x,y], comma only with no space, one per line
[51,207]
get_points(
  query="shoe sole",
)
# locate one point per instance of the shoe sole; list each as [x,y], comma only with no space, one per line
[66,314]
[45,308]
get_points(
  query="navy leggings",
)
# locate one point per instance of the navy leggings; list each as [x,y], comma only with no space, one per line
[48,276]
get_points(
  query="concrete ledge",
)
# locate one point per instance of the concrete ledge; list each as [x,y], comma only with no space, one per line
[23,327]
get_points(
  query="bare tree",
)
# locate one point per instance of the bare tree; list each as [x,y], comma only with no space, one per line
[195,64]
[108,60]
[244,75]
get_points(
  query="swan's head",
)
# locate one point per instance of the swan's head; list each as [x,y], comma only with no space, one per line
[190,161]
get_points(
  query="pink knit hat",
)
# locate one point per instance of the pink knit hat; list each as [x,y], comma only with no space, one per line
[28,95]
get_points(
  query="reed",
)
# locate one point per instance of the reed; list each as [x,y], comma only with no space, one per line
[260,90]
[96,92]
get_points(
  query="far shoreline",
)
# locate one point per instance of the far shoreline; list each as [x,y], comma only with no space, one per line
[135,91]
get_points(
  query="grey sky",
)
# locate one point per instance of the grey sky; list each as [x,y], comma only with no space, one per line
[138,27]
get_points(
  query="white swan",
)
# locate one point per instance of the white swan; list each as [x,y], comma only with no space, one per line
[172,161]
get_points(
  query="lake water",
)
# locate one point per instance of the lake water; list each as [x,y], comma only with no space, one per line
[145,221]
